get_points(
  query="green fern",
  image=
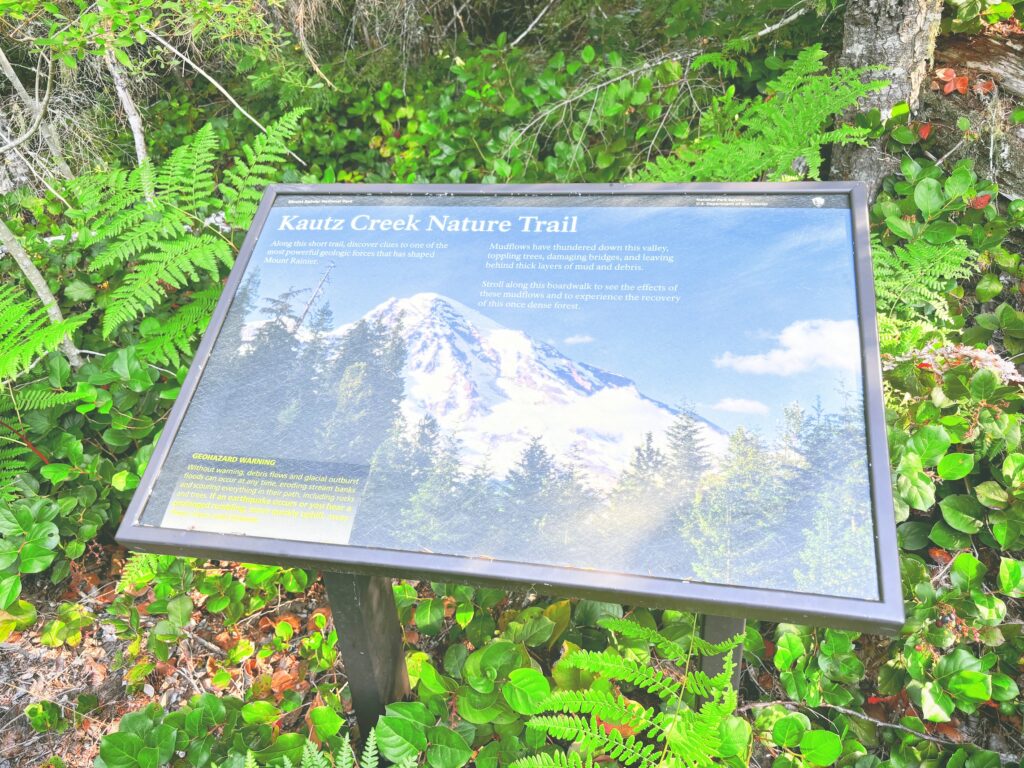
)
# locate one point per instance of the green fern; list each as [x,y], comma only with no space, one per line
[610,724]
[777,138]
[913,285]
[176,244]
[345,757]
[26,334]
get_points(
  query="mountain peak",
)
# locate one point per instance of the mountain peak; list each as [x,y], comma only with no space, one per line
[496,388]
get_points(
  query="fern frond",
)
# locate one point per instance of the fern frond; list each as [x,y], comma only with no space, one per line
[250,760]
[175,337]
[605,705]
[173,265]
[554,760]
[593,737]
[919,275]
[243,184]
[140,568]
[312,757]
[370,757]
[38,398]
[185,179]
[26,331]
[669,649]
[627,670]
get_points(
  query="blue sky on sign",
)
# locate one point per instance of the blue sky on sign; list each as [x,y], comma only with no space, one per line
[767,312]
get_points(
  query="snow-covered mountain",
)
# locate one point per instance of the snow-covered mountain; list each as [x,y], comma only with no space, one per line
[496,388]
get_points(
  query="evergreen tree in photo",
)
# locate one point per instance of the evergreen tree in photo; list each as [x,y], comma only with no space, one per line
[367,394]
[313,389]
[836,526]
[738,521]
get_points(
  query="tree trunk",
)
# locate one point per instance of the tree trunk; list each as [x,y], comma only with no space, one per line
[899,37]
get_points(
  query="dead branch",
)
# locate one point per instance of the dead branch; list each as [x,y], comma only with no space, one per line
[532,24]
[38,282]
[40,113]
[133,114]
[49,135]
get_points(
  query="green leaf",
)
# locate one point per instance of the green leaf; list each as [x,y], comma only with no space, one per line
[968,571]
[56,473]
[940,232]
[120,750]
[430,615]
[788,730]
[1011,577]
[326,721]
[179,610]
[954,466]
[734,737]
[446,748]
[400,739]
[930,443]
[970,684]
[988,287]
[588,54]
[260,712]
[525,690]
[929,197]
[78,290]
[962,513]
[959,183]
[992,495]
[10,588]
[983,384]
[821,747]
[902,229]
[936,704]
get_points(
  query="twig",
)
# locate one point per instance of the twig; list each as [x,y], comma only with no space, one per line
[779,24]
[953,149]
[40,113]
[38,283]
[209,78]
[205,643]
[862,716]
[532,24]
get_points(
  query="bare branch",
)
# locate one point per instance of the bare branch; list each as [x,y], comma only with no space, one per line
[38,282]
[40,113]
[209,78]
[134,116]
[780,24]
[49,135]
[532,24]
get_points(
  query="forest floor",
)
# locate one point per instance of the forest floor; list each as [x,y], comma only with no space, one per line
[87,680]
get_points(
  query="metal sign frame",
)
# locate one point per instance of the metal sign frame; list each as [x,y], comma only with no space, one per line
[885,614]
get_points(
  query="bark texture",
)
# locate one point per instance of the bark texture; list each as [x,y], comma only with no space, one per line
[898,36]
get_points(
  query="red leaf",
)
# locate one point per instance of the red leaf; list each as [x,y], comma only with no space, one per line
[980,202]
[924,130]
[948,87]
[945,74]
[940,555]
[960,84]
[985,86]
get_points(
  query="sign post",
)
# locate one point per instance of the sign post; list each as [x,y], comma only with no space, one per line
[663,395]
[370,638]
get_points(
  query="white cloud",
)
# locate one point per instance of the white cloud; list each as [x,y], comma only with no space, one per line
[579,339]
[739,405]
[803,345]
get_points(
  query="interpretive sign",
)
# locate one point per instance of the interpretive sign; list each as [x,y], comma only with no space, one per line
[662,394]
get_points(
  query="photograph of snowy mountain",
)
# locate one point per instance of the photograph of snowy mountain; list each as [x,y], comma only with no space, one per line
[688,439]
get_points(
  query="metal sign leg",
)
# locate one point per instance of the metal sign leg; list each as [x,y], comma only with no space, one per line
[715,630]
[370,640]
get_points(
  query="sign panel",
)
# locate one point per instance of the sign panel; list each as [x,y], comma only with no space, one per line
[666,394]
